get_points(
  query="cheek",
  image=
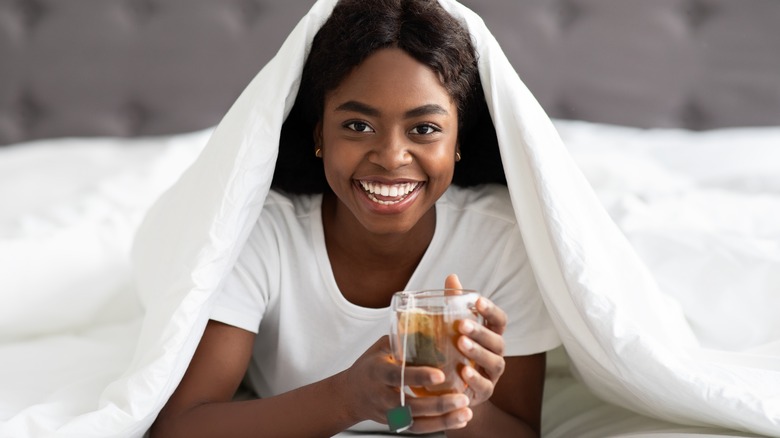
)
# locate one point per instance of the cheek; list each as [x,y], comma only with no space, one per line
[338,163]
[444,158]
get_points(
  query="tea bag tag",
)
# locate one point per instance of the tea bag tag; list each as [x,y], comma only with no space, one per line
[399,419]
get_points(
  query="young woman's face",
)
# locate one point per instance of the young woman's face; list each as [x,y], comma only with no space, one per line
[388,137]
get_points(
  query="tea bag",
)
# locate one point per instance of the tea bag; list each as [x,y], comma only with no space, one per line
[420,338]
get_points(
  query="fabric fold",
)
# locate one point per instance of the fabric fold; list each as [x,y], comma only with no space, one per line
[628,341]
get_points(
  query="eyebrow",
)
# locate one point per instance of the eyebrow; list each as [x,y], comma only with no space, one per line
[368,110]
[425,110]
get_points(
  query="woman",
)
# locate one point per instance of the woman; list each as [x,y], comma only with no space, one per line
[388,94]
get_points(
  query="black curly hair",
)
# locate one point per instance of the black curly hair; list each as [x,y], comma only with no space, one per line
[355,30]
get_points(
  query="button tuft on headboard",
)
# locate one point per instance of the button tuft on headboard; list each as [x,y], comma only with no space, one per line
[28,112]
[692,116]
[29,13]
[250,11]
[134,115]
[566,13]
[141,10]
[697,12]
[562,109]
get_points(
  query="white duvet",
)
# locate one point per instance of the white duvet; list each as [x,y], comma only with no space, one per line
[700,209]
[70,316]
[677,323]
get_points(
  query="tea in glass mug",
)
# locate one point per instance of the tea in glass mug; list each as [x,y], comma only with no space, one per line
[424,332]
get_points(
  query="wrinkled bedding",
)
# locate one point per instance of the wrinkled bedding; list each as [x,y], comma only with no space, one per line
[70,316]
[700,208]
[666,309]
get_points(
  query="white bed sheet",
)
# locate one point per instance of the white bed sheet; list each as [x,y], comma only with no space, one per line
[70,317]
[700,208]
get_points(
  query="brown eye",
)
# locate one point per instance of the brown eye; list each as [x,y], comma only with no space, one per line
[425,129]
[359,127]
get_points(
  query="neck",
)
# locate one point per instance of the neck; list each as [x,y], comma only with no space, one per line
[344,232]
[390,259]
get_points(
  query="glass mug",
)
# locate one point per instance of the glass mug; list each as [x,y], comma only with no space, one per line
[424,332]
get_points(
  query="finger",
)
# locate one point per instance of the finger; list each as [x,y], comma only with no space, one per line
[435,406]
[493,364]
[482,336]
[452,420]
[480,387]
[495,317]
[383,401]
[412,376]
[389,396]
[452,282]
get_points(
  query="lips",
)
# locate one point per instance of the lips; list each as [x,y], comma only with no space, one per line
[388,194]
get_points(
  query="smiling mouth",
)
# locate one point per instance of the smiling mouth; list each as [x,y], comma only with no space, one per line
[388,194]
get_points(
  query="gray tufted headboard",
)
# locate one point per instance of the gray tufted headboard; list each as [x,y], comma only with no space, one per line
[144,67]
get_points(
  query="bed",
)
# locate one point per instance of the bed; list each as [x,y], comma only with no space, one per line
[671,109]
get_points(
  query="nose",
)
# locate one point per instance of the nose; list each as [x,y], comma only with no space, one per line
[391,151]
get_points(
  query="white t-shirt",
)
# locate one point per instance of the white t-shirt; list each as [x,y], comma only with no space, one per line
[283,288]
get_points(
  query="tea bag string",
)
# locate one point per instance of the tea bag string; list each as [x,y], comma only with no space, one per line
[410,304]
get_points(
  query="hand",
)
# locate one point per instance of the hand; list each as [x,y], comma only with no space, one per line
[482,344]
[372,384]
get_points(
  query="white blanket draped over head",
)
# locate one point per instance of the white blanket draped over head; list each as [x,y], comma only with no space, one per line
[627,341]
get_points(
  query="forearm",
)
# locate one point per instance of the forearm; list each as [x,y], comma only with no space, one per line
[491,421]
[312,410]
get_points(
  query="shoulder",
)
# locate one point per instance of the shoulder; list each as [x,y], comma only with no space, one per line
[488,201]
[285,216]
[279,204]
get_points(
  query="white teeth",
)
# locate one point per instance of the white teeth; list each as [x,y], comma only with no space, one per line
[395,190]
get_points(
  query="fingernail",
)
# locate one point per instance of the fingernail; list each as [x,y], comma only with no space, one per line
[466,327]
[461,402]
[437,378]
[464,416]
[469,372]
[466,343]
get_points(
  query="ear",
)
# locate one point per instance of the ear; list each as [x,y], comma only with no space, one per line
[457,151]
[317,134]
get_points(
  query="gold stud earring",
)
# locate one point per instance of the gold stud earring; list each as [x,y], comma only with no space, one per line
[457,156]
[318,152]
